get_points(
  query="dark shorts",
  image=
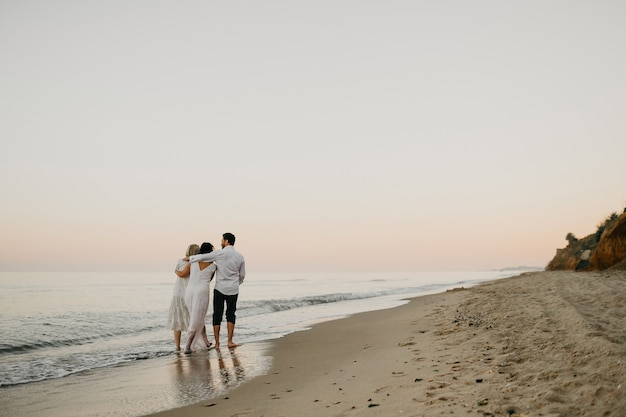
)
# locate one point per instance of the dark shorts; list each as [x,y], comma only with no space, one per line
[218,307]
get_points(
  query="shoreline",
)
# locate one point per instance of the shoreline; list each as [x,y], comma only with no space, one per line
[542,343]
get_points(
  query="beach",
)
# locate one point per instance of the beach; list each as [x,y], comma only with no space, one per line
[538,344]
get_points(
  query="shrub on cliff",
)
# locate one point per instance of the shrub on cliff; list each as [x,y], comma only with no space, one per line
[606,224]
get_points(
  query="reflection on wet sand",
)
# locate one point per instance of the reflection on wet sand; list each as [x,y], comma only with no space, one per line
[229,365]
[145,387]
[204,375]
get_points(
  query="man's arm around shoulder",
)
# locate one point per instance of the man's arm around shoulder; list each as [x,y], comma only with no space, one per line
[205,257]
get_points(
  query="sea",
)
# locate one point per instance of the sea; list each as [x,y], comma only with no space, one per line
[76,329]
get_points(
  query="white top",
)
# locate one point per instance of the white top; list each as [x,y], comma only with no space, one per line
[231,268]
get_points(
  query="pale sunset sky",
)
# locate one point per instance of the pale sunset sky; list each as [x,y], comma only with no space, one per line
[326,135]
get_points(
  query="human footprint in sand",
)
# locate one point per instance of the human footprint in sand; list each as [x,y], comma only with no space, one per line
[197,300]
[231,271]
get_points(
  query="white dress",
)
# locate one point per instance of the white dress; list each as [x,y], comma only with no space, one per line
[197,300]
[178,318]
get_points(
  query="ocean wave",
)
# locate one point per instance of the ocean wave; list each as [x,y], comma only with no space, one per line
[41,369]
[128,322]
[277,305]
[18,346]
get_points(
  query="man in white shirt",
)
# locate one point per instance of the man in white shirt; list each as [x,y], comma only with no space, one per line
[231,271]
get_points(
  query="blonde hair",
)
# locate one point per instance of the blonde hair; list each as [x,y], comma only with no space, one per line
[193,249]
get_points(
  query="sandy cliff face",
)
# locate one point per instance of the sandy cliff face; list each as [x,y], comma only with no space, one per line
[573,257]
[611,250]
[564,259]
[590,254]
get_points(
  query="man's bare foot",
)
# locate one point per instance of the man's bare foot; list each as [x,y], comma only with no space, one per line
[217,346]
[233,345]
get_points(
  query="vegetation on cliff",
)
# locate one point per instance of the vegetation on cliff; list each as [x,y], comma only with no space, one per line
[604,249]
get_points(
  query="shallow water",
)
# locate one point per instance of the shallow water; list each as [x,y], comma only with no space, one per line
[140,388]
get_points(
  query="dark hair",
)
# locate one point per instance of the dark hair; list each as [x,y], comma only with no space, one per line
[206,247]
[229,237]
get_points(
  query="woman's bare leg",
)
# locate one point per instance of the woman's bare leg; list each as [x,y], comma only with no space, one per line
[177,334]
[190,336]
[206,339]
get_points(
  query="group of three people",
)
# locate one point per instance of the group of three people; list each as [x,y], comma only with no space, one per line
[190,300]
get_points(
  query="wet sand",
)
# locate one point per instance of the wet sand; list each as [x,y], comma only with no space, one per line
[541,344]
[138,388]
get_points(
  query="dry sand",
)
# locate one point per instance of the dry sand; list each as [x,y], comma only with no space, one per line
[541,344]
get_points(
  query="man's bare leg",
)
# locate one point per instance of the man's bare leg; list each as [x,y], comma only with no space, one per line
[231,332]
[216,334]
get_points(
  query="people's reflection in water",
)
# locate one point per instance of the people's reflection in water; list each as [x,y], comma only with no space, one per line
[205,375]
[194,377]
[235,369]
[240,372]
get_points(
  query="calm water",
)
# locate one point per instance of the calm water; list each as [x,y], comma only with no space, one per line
[57,324]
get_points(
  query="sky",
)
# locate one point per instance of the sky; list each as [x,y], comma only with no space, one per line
[326,135]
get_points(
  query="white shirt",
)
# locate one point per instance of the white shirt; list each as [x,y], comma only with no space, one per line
[231,268]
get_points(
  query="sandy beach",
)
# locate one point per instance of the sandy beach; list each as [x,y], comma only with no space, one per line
[540,344]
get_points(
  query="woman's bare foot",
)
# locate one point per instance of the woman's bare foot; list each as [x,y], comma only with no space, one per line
[233,345]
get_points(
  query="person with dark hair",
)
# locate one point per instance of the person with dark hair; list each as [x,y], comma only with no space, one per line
[231,271]
[197,300]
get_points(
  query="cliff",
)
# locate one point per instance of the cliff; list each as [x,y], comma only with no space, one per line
[605,249]
[611,250]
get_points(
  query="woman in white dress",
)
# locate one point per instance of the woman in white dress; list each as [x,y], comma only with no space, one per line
[178,318]
[197,300]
